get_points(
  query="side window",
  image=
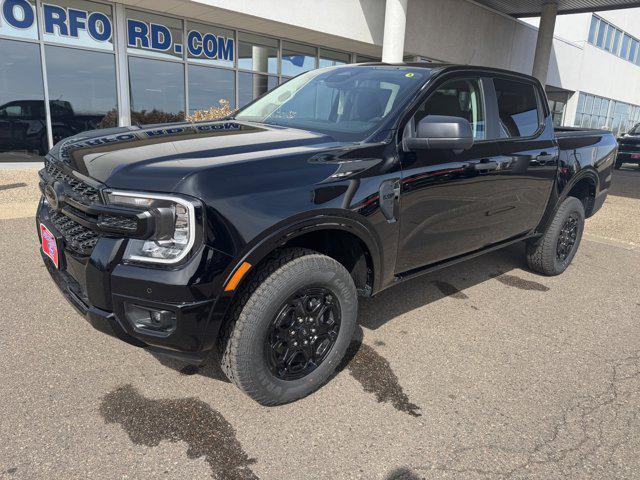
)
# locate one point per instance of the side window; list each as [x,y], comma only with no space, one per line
[14,111]
[457,98]
[517,108]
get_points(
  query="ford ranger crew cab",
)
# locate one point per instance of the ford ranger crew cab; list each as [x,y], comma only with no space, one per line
[255,235]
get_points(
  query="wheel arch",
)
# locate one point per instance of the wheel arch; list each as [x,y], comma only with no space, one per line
[585,187]
[307,233]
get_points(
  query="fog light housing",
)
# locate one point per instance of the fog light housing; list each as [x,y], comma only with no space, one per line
[150,320]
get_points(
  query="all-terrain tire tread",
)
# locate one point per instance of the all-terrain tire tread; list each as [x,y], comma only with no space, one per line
[541,252]
[254,296]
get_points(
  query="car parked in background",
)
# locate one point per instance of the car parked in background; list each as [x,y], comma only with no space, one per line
[23,125]
[629,147]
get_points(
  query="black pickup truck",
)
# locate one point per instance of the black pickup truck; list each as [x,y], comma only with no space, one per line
[629,147]
[255,235]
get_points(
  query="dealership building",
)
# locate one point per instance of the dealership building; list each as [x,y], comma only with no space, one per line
[71,65]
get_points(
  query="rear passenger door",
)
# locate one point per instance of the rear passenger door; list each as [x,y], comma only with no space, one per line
[528,149]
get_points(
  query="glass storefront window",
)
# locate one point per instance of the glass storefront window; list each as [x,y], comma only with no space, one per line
[257,53]
[210,45]
[209,86]
[607,113]
[23,131]
[19,21]
[331,58]
[157,91]
[365,59]
[78,41]
[82,90]
[154,35]
[78,23]
[252,85]
[297,58]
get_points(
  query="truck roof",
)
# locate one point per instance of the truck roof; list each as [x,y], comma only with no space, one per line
[449,66]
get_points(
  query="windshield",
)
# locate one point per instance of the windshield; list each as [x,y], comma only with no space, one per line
[635,130]
[347,103]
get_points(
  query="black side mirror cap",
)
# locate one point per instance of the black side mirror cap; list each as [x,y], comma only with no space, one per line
[441,132]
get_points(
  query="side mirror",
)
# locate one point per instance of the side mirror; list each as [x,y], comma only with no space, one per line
[442,132]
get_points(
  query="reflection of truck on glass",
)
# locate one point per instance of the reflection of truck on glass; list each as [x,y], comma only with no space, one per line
[258,233]
[23,125]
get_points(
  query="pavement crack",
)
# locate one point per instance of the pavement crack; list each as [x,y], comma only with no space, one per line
[204,430]
[583,440]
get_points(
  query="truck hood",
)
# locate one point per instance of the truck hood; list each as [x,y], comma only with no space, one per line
[162,155]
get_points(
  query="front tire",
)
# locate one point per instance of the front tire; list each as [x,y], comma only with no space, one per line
[290,327]
[552,253]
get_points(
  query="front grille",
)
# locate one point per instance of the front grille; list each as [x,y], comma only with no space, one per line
[82,191]
[116,222]
[77,238]
[81,217]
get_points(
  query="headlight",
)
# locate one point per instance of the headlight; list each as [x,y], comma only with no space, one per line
[175,227]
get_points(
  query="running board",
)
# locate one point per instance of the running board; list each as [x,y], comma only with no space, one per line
[416,272]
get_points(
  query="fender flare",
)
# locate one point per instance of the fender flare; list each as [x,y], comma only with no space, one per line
[560,196]
[285,231]
[588,173]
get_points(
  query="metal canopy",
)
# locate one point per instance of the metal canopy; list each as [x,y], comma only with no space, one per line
[533,8]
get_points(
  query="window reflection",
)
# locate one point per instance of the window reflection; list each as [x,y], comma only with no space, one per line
[210,88]
[252,85]
[82,90]
[297,58]
[157,91]
[331,58]
[257,53]
[23,132]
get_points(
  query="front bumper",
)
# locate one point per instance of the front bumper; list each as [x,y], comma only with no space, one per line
[100,284]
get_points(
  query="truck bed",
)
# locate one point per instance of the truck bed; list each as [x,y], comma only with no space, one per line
[570,138]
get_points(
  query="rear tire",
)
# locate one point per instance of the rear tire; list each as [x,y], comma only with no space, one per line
[268,310]
[552,253]
[617,165]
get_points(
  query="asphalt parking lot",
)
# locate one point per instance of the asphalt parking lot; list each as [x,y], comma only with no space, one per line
[483,370]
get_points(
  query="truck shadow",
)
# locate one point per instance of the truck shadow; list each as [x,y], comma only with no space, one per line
[210,368]
[448,282]
[392,303]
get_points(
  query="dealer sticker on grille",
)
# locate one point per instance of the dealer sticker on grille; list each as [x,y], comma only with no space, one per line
[49,244]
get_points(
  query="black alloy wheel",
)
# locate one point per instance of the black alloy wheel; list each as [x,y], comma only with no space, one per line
[567,237]
[303,333]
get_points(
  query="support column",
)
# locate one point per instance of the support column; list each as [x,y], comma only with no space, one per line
[395,22]
[260,57]
[544,43]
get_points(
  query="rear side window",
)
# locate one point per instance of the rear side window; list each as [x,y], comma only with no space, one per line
[517,108]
